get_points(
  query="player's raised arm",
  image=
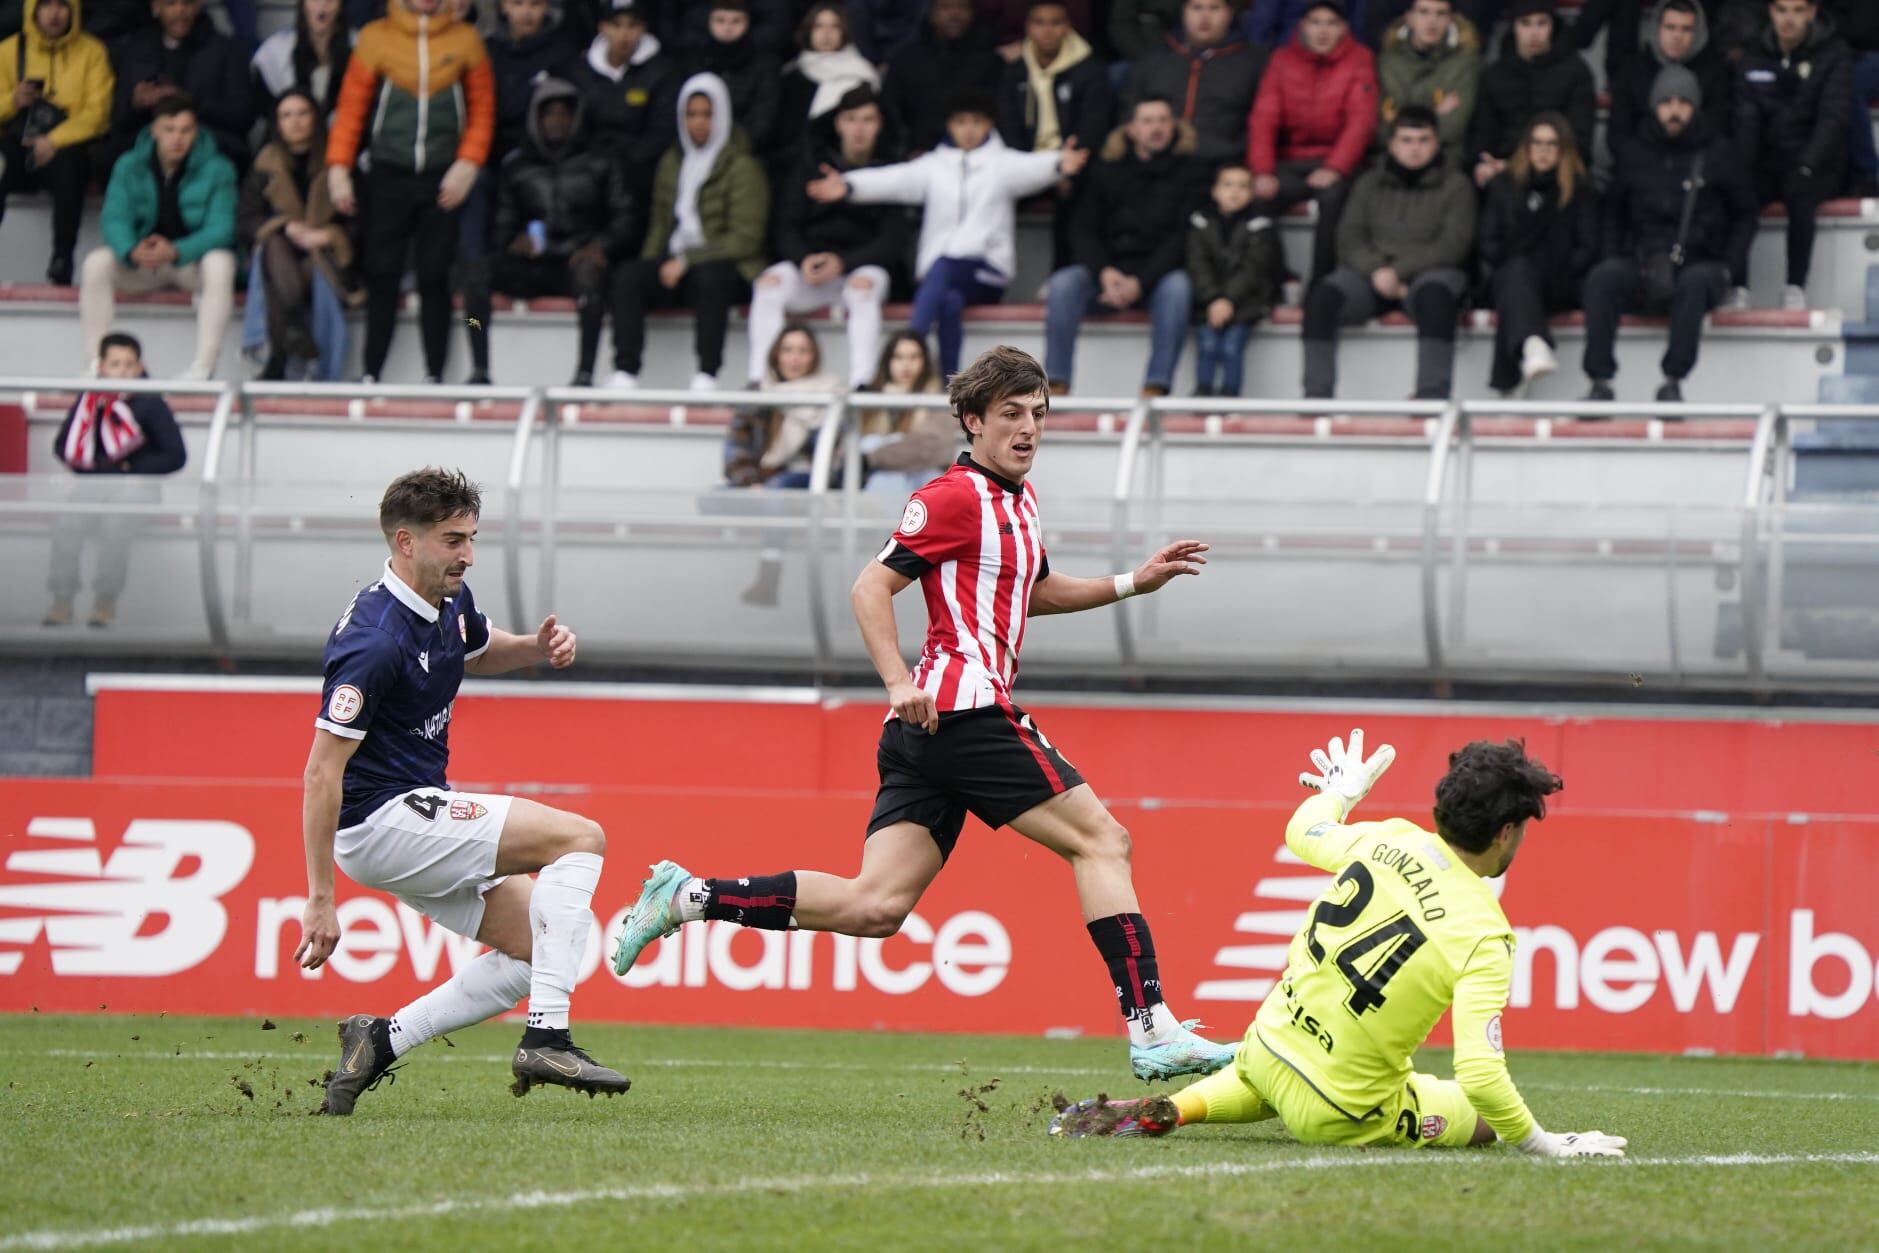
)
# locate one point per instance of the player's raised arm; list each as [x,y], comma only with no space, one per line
[873,600]
[1316,831]
[1481,1062]
[1063,593]
[319,821]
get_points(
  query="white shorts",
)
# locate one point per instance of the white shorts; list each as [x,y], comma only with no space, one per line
[433,849]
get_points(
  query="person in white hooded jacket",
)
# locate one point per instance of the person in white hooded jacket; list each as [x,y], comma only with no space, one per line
[968,237]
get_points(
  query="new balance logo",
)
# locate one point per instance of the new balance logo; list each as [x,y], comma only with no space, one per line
[94,911]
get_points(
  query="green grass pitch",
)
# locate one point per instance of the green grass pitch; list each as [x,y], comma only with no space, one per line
[192,1133]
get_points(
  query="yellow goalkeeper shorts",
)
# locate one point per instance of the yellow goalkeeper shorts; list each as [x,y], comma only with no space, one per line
[1427,1112]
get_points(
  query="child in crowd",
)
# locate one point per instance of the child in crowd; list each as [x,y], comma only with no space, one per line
[1234,261]
[968,236]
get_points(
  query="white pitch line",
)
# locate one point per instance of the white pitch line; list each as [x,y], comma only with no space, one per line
[449,1055]
[77,1239]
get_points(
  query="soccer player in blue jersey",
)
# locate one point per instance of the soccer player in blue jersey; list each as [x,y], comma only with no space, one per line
[1408,931]
[377,802]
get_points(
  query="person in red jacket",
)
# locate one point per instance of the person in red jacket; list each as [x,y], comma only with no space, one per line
[1312,123]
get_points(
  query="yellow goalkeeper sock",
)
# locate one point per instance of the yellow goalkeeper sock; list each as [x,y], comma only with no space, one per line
[1222,1097]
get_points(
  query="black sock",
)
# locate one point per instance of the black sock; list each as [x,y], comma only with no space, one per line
[1129,952]
[381,1041]
[546,1037]
[763,901]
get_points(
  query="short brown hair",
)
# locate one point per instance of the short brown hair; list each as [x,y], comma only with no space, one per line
[998,374]
[426,497]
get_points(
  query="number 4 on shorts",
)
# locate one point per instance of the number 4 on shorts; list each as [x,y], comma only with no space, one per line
[425,806]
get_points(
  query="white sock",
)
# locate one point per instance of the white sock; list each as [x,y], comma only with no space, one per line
[558,915]
[486,987]
[1159,1024]
[691,900]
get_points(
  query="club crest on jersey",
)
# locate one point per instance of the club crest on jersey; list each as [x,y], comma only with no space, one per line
[1494,1033]
[1433,1125]
[913,521]
[345,703]
[466,811]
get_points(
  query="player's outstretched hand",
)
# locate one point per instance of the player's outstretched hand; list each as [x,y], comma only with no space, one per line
[1345,772]
[556,643]
[914,706]
[1181,557]
[319,934]
[1573,1144]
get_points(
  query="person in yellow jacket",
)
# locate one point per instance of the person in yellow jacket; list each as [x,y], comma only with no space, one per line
[55,99]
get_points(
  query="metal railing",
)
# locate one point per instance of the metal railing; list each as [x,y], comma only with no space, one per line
[1446,544]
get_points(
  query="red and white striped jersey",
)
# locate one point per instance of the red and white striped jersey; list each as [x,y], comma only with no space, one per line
[973,540]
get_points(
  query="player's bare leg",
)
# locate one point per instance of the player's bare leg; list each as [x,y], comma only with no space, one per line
[1077,827]
[897,864]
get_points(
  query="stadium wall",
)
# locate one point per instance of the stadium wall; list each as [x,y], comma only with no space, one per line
[1703,884]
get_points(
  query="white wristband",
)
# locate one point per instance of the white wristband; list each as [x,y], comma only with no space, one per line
[1125,585]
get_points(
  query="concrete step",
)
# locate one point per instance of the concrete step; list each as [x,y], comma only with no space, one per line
[1763,355]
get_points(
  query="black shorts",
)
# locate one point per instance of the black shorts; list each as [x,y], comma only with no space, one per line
[992,762]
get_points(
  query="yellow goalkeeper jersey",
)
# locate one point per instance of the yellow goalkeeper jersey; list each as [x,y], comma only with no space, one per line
[1405,931]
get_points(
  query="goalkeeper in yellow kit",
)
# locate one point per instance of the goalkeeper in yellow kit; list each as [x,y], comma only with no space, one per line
[1408,930]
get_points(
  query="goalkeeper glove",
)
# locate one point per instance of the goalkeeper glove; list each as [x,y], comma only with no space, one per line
[1344,772]
[1573,1144]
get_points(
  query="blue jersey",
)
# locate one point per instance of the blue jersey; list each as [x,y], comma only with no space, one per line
[393,666]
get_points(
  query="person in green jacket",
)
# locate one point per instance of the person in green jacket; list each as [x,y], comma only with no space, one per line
[704,244]
[168,222]
[1432,58]
[1404,238]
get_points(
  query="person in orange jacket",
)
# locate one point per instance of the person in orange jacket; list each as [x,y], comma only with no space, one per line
[420,97]
[56,85]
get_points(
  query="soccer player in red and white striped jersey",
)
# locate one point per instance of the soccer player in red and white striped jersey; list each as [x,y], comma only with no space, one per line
[954,741]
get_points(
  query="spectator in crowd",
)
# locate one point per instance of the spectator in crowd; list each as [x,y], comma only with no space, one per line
[182,54]
[526,50]
[1005,20]
[1057,89]
[1129,245]
[1653,261]
[631,87]
[1312,124]
[1135,26]
[1858,23]
[1793,91]
[1238,271]
[564,219]
[168,222]
[1211,73]
[106,437]
[771,23]
[1539,236]
[950,53]
[425,153]
[55,101]
[299,281]
[310,55]
[844,253]
[1627,29]
[880,28]
[1274,22]
[774,446]
[710,206]
[1432,58]
[1372,20]
[1404,238]
[827,67]
[749,72]
[968,233]
[904,449]
[1677,33]
[1537,73]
